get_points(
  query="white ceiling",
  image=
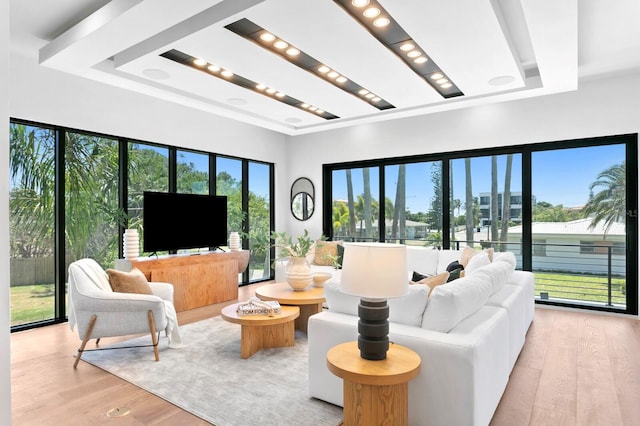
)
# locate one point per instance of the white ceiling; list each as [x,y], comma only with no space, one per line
[544,45]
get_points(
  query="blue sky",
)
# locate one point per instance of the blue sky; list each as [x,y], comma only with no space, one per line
[559,176]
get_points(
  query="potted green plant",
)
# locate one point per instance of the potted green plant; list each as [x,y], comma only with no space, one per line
[298,272]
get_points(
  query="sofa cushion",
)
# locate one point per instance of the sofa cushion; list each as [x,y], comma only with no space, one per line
[129,282]
[406,310]
[422,260]
[451,303]
[466,254]
[497,273]
[445,257]
[325,253]
[477,261]
[505,256]
[434,281]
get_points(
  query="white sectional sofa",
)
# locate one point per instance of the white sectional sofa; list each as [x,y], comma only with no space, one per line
[468,334]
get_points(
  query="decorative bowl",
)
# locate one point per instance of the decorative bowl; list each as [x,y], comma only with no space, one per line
[319,278]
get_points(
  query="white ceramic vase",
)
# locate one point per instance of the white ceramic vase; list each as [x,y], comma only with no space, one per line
[130,244]
[299,274]
[234,241]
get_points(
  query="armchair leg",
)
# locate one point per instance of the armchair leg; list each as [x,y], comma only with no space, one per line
[154,336]
[87,336]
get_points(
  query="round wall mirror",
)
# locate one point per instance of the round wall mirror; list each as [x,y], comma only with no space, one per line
[302,198]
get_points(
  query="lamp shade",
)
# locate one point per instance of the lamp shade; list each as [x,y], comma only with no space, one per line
[375,270]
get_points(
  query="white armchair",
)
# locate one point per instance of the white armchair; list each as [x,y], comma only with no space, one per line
[98,311]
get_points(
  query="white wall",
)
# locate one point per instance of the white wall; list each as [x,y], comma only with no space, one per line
[5,350]
[48,96]
[601,107]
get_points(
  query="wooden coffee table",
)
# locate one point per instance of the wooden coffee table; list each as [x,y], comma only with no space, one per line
[375,392]
[309,300]
[262,331]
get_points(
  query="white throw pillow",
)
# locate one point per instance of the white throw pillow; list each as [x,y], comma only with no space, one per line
[451,303]
[406,310]
[476,262]
[506,256]
[498,273]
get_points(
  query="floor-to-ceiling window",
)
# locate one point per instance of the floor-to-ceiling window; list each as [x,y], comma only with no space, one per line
[73,192]
[356,204]
[260,220]
[567,210]
[578,225]
[147,170]
[485,201]
[32,223]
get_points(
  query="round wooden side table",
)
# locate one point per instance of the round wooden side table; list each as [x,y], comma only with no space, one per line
[375,392]
[262,331]
[309,300]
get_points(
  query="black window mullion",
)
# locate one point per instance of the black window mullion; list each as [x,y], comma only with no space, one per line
[382,231]
[446,204]
[527,212]
[59,226]
[245,218]
[123,189]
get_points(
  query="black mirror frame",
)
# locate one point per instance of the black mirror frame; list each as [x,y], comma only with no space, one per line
[303,186]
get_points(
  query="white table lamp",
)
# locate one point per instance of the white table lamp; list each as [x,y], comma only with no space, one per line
[374,272]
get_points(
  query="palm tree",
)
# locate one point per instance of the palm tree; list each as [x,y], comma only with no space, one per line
[398,227]
[470,220]
[609,204]
[506,202]
[350,205]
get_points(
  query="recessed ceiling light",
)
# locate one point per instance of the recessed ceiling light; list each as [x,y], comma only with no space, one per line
[502,80]
[371,12]
[376,99]
[280,44]
[280,94]
[369,95]
[227,73]
[420,60]
[213,68]
[407,47]
[271,90]
[446,85]
[324,69]
[200,62]
[319,111]
[305,105]
[260,86]
[156,74]
[437,76]
[442,81]
[360,3]
[312,108]
[381,22]
[267,37]
[363,92]
[341,79]
[414,54]
[292,51]
[332,74]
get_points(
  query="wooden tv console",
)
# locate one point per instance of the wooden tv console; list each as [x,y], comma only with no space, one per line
[198,280]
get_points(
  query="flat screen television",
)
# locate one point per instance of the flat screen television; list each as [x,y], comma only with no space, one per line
[183,221]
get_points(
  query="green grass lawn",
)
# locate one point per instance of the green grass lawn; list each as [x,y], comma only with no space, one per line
[587,288]
[31,303]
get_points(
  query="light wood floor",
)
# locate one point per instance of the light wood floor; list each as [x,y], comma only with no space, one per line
[575,369]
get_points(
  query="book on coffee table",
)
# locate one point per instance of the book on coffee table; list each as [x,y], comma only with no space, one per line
[255,306]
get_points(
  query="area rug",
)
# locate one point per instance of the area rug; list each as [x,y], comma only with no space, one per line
[209,379]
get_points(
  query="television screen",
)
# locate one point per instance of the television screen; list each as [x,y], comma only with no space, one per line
[183,221]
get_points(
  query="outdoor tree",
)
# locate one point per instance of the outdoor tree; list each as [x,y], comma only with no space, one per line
[608,205]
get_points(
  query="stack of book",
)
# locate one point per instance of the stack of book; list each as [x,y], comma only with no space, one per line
[255,306]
